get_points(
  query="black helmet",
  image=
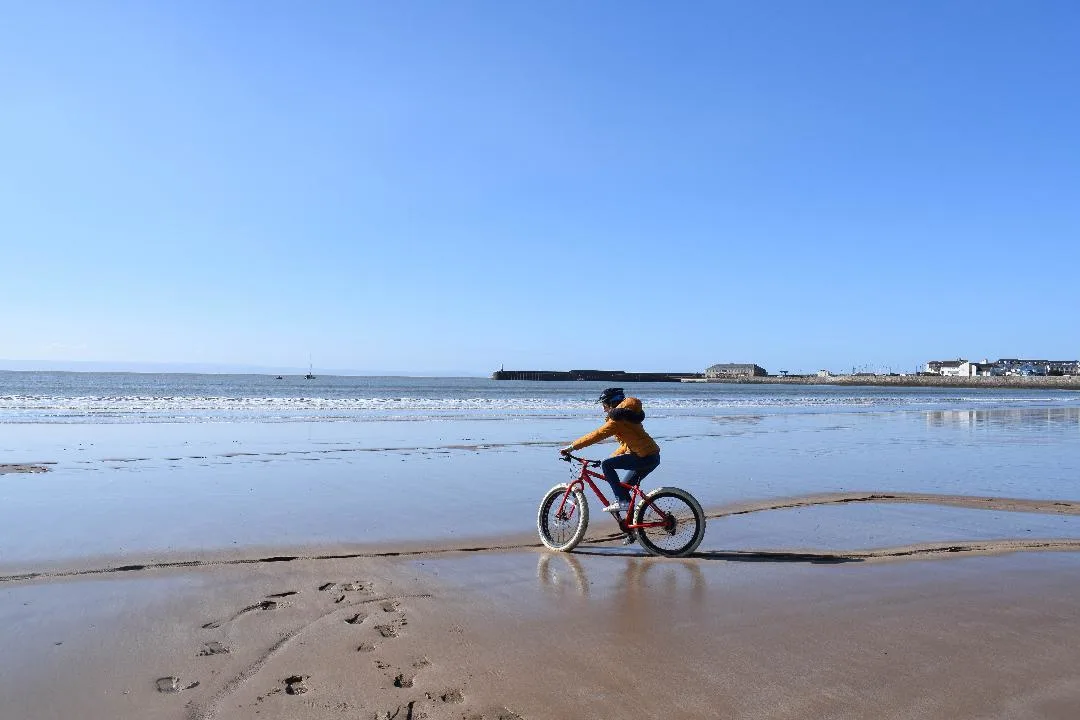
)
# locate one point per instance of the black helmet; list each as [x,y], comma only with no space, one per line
[612,396]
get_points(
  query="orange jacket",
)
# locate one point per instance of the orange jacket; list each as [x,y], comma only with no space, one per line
[624,422]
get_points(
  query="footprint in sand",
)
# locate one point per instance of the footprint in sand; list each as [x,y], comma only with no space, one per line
[356,619]
[405,678]
[213,648]
[391,630]
[410,711]
[295,684]
[387,630]
[170,685]
[453,695]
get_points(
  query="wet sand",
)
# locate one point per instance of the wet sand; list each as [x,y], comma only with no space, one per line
[990,534]
[895,565]
[194,488]
[497,628]
[533,635]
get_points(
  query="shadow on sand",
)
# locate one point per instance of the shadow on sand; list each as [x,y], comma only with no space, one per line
[735,556]
[775,557]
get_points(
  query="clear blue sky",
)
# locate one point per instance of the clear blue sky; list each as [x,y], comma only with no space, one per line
[454,186]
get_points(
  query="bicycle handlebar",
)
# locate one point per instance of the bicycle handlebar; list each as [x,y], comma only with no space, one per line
[567,457]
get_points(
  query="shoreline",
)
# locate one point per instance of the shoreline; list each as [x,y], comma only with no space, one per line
[135,563]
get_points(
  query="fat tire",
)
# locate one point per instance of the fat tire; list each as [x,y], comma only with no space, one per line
[554,495]
[698,517]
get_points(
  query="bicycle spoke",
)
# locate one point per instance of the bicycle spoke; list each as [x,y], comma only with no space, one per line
[562,519]
[680,523]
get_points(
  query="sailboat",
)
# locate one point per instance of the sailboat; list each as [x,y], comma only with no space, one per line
[309,376]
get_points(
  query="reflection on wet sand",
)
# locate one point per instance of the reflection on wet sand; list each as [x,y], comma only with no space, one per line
[563,574]
[1024,418]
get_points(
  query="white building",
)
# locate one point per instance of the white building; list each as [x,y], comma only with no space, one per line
[957,368]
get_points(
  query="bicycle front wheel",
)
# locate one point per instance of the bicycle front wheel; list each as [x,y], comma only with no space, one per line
[682,522]
[561,524]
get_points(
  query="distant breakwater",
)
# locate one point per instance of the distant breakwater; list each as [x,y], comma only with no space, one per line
[615,376]
[1065,382]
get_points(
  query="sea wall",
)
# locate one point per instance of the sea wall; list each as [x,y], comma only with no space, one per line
[615,376]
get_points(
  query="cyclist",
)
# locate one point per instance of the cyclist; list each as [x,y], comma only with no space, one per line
[637,452]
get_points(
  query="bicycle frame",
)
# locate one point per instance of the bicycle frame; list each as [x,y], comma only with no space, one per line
[585,477]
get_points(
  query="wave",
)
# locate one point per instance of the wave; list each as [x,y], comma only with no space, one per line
[26,408]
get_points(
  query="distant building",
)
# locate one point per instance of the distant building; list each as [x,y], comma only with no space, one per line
[1004,366]
[951,368]
[1015,366]
[734,370]
[1065,367]
[959,368]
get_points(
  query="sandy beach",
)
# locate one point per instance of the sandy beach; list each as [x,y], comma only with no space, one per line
[501,629]
[867,555]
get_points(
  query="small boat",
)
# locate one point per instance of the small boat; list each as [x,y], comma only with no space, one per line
[279,378]
[309,376]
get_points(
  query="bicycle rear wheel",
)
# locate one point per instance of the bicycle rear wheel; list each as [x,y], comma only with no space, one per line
[563,529]
[683,522]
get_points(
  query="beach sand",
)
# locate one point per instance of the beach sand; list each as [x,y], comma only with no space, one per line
[501,629]
[907,563]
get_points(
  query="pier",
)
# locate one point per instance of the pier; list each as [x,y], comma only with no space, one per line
[614,376]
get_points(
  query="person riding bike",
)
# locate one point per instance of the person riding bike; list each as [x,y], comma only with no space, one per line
[637,452]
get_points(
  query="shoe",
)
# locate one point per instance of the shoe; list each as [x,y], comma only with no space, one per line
[618,506]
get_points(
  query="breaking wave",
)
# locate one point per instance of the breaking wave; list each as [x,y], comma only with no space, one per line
[215,408]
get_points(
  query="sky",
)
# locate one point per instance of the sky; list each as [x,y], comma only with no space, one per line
[451,187]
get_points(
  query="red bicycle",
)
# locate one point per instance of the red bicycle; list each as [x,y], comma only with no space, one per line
[667,521]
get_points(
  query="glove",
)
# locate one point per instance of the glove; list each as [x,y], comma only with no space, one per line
[567,450]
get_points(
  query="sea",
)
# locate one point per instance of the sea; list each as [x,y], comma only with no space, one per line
[70,397]
[197,463]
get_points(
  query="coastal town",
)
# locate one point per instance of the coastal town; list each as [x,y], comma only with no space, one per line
[1025,372]
[1003,368]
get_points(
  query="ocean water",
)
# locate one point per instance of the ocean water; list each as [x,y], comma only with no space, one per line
[195,463]
[58,397]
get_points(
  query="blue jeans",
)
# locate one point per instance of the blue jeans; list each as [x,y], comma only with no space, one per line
[639,467]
